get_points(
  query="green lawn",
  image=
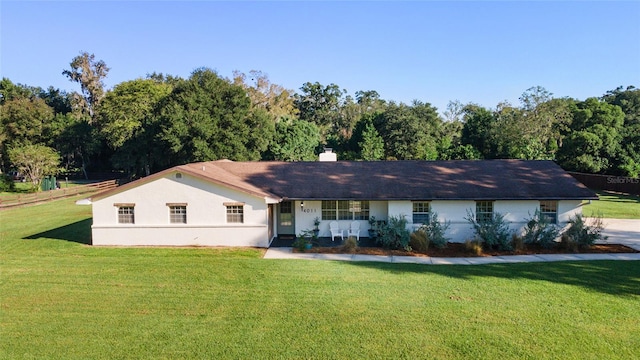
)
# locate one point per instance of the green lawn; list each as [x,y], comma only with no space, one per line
[614,206]
[25,187]
[60,298]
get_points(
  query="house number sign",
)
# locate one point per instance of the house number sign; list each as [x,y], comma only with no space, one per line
[309,211]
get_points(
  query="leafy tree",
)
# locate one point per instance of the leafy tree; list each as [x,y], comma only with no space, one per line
[76,140]
[127,122]
[10,91]
[561,111]
[514,136]
[350,113]
[88,72]
[294,140]
[35,162]
[25,120]
[543,117]
[354,118]
[409,132]
[628,161]
[369,101]
[629,102]
[534,97]
[321,105]
[450,141]
[454,111]
[594,139]
[128,108]
[208,118]
[372,145]
[461,152]
[58,100]
[478,123]
[532,131]
[272,98]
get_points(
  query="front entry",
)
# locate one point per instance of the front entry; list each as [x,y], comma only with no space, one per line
[286,219]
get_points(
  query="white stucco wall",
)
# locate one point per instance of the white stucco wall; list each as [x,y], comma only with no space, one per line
[516,212]
[568,209]
[206,216]
[400,208]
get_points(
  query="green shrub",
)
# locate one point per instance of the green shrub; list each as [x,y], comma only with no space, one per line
[492,234]
[6,183]
[419,241]
[539,230]
[300,243]
[517,242]
[303,239]
[583,235]
[435,231]
[568,243]
[394,234]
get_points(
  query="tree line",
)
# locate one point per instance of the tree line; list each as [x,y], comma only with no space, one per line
[148,124]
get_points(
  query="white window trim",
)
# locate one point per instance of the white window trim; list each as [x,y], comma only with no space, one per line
[170,206]
[363,214]
[132,215]
[240,213]
[414,213]
[492,202]
[552,214]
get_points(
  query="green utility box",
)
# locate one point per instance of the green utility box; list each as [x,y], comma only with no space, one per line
[48,183]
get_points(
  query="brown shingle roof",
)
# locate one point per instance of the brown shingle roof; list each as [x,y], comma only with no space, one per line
[390,180]
[399,180]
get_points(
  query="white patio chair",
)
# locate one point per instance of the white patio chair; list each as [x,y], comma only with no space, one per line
[335,230]
[354,230]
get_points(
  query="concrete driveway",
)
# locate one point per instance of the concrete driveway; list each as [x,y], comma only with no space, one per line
[622,231]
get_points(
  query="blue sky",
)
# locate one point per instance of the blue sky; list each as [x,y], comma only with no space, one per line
[482,52]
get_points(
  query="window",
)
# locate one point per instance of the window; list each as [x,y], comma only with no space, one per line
[329,208]
[549,209]
[360,209]
[177,213]
[125,213]
[421,212]
[484,211]
[286,213]
[235,213]
[345,210]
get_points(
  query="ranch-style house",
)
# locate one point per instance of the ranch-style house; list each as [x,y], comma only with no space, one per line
[227,203]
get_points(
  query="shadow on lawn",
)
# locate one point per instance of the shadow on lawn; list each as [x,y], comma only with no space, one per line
[610,277]
[79,232]
[616,197]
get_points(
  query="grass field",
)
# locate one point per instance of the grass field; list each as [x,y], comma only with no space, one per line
[62,299]
[25,187]
[614,205]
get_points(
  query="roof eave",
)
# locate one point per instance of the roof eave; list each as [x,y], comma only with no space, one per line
[268,197]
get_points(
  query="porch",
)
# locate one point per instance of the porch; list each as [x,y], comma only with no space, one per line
[287,241]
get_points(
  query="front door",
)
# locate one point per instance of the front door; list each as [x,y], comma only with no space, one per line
[286,221]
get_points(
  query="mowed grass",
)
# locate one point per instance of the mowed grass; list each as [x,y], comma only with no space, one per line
[614,206]
[62,299]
